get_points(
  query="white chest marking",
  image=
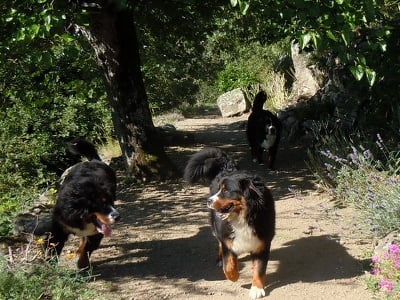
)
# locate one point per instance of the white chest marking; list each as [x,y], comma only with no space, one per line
[269,141]
[245,240]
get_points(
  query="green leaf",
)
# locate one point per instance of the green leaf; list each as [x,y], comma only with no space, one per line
[305,39]
[234,3]
[357,71]
[330,35]
[345,38]
[316,39]
[362,60]
[34,30]
[244,8]
[371,76]
[20,35]
[67,38]
[383,46]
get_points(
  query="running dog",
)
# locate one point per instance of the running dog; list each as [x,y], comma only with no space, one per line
[242,213]
[263,131]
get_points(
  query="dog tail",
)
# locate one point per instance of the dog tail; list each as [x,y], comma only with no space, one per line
[259,101]
[206,164]
[84,148]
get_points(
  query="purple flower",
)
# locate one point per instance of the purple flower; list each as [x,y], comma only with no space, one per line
[375,259]
[376,271]
[368,154]
[386,284]
[394,249]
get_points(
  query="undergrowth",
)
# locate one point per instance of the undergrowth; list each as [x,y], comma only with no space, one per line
[365,177]
[25,274]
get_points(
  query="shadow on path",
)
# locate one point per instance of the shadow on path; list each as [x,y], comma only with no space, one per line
[312,259]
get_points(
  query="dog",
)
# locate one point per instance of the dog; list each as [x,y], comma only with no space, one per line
[263,131]
[84,205]
[242,213]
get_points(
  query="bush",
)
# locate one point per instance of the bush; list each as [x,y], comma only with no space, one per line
[251,64]
[364,178]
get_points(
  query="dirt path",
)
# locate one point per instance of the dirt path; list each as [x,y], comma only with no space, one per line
[163,247]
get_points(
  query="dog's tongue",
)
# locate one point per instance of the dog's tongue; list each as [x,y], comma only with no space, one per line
[106,230]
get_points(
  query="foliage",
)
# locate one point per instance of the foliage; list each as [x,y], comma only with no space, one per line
[360,32]
[365,178]
[385,275]
[235,76]
[51,92]
[43,281]
[173,65]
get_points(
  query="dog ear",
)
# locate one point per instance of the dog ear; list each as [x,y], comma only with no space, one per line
[254,189]
[248,186]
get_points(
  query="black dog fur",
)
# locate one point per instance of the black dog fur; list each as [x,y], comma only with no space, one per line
[85,203]
[263,131]
[242,213]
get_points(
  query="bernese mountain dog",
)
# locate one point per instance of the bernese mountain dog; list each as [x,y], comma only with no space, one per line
[263,131]
[242,213]
[84,205]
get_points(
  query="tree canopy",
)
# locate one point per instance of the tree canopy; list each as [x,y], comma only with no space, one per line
[361,33]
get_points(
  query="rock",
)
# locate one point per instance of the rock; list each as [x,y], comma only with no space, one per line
[38,219]
[233,103]
[306,84]
[382,245]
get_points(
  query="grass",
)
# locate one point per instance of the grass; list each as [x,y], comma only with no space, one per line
[26,276]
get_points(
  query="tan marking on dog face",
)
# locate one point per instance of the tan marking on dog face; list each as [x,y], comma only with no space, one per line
[222,205]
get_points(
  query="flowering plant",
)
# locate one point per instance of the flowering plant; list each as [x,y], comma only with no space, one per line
[385,275]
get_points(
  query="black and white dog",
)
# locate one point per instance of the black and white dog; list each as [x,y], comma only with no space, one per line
[263,131]
[242,213]
[84,206]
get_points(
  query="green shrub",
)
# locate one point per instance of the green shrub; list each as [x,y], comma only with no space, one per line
[51,94]
[235,76]
[365,178]
[251,64]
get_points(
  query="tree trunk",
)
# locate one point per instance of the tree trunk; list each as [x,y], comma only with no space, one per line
[112,34]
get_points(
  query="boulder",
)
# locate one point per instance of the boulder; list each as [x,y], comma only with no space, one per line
[233,103]
[306,83]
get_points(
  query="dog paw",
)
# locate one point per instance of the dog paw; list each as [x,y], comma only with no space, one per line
[256,292]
